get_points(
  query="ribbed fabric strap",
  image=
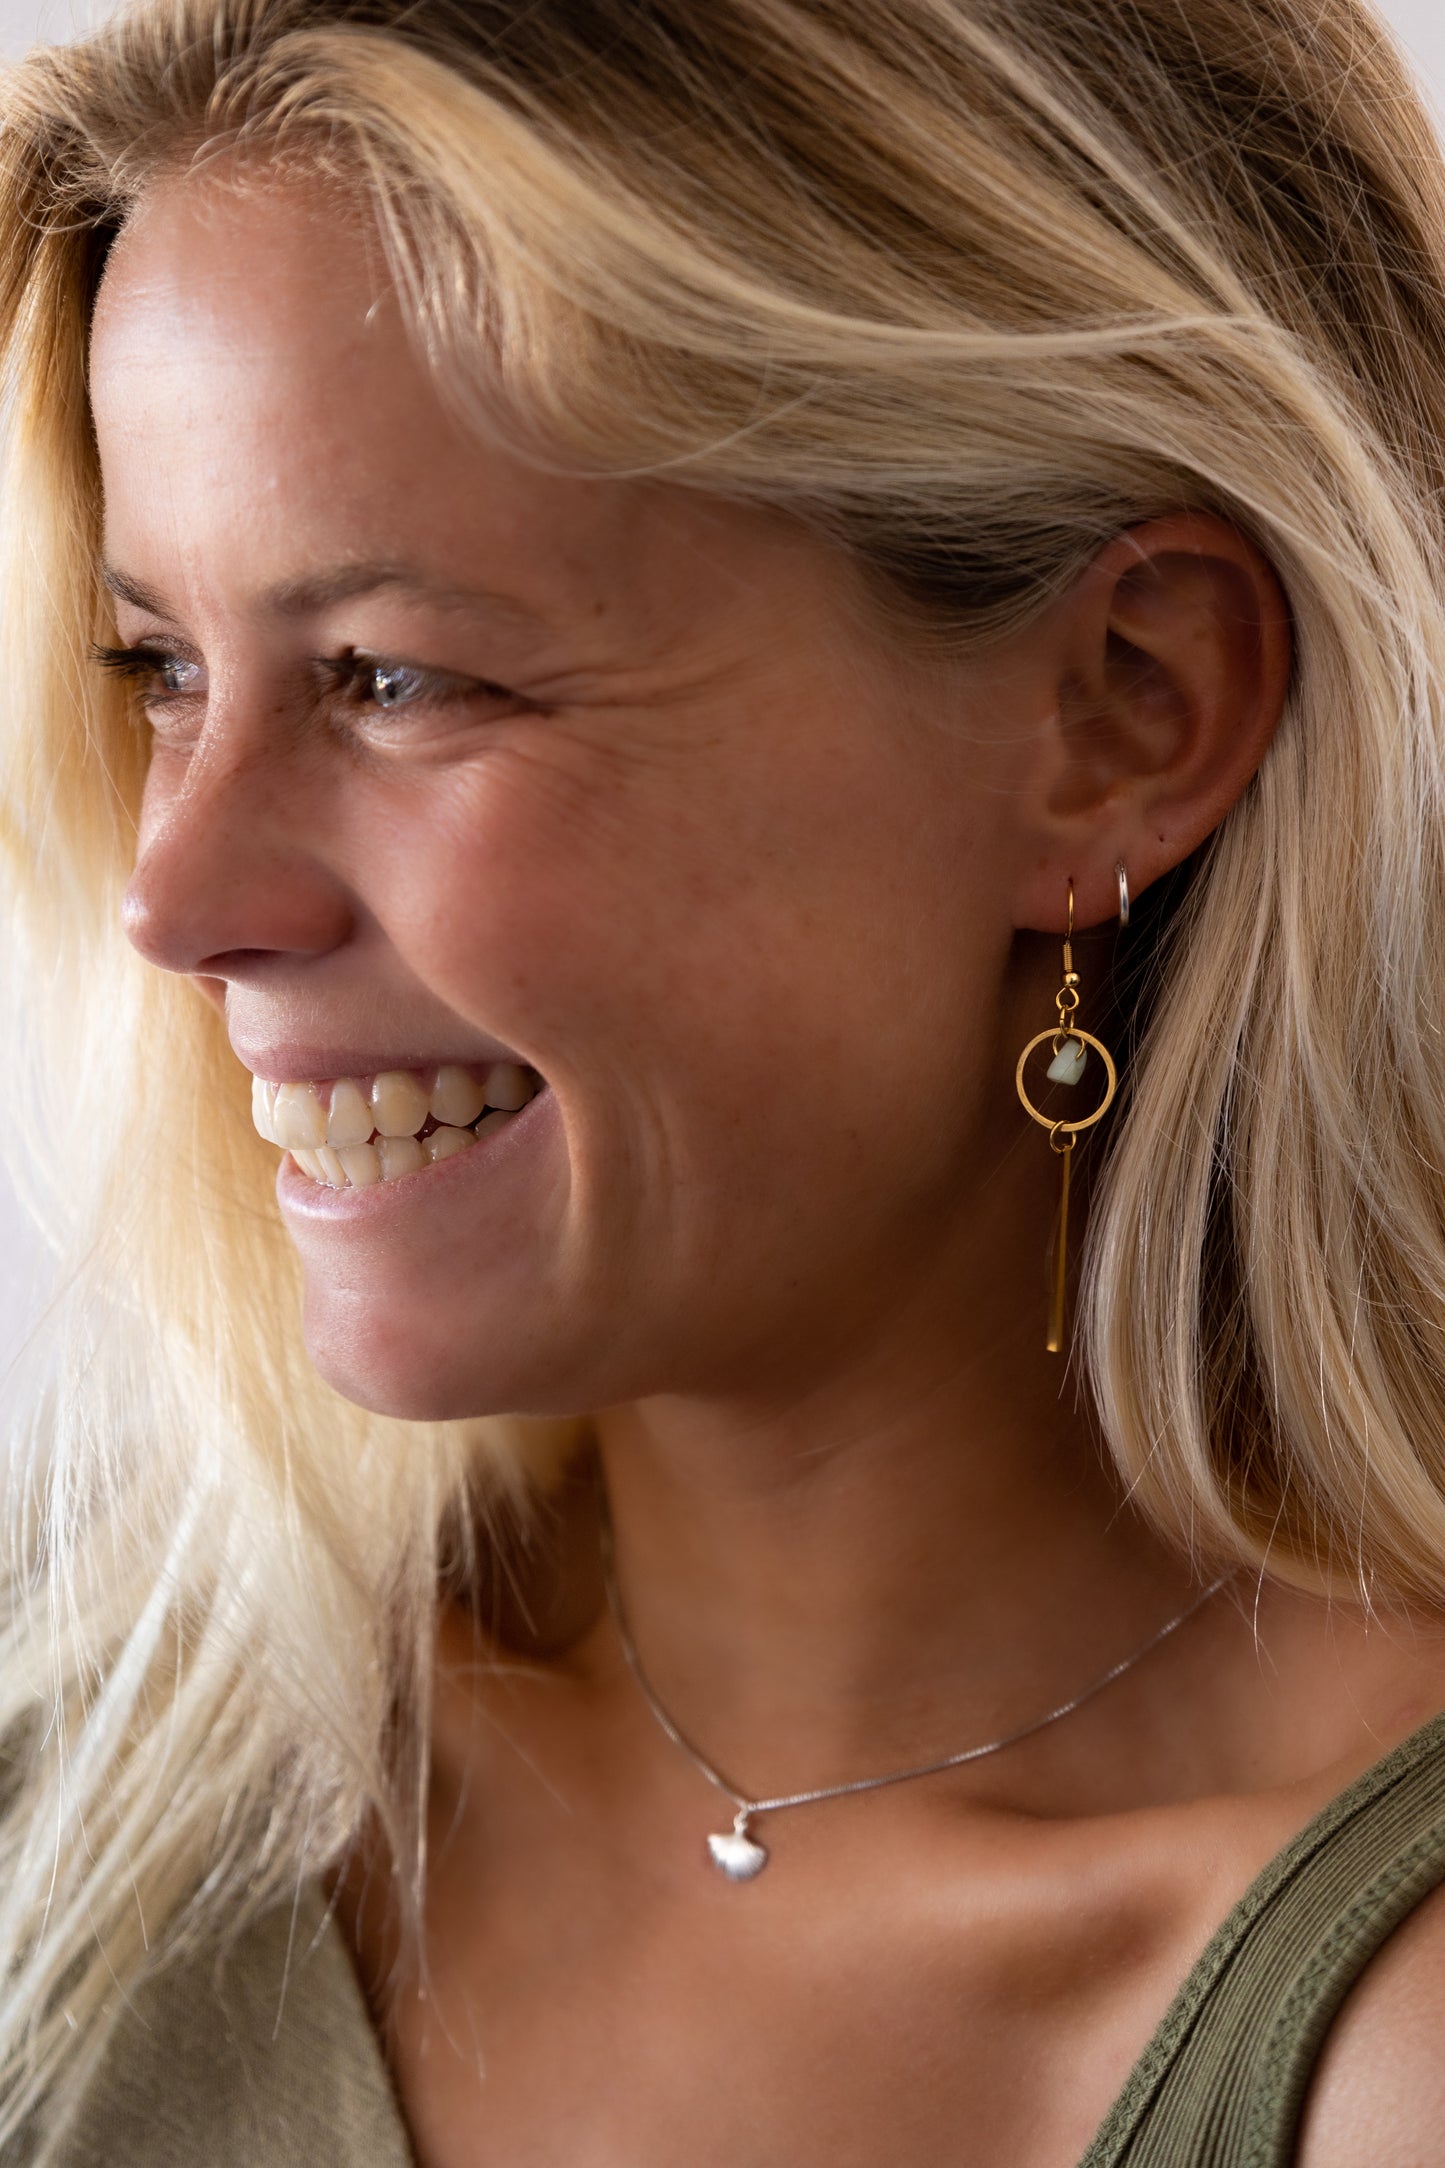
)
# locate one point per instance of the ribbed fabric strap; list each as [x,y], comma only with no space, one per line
[1223,2082]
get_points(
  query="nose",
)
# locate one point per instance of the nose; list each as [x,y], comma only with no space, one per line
[228,875]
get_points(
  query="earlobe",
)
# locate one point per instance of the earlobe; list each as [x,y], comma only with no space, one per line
[1173,656]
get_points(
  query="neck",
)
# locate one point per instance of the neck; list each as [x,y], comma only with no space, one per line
[822,1587]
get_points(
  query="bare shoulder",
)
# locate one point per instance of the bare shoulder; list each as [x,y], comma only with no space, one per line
[1379,2089]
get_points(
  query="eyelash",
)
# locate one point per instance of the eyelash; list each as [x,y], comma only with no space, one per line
[349,673]
[132,663]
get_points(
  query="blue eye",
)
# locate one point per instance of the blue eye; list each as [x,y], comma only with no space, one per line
[394,684]
[377,684]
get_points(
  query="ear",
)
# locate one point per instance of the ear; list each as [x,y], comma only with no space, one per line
[1168,664]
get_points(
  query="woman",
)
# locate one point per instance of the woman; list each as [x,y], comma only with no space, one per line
[678,636]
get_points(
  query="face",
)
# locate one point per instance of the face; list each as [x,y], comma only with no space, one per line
[456,764]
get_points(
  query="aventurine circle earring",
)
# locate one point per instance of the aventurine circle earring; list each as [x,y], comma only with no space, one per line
[1069,1048]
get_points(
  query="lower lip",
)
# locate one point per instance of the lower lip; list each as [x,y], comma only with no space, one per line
[492,1155]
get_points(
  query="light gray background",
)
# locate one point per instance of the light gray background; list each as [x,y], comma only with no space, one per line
[23,22]
[1420,22]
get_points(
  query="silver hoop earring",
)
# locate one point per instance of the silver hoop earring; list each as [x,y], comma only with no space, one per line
[1123,879]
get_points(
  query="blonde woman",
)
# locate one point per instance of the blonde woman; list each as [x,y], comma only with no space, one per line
[766,682]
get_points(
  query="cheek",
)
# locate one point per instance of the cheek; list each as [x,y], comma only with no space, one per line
[789,930]
[764,1078]
[513,895]
[573,906]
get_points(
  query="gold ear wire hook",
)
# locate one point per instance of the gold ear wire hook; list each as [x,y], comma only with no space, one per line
[1069,940]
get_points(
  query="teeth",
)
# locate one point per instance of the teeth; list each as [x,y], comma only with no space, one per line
[398,1156]
[330,1134]
[508,1087]
[297,1117]
[446,1143]
[361,1164]
[263,1109]
[456,1098]
[333,1174]
[398,1103]
[349,1122]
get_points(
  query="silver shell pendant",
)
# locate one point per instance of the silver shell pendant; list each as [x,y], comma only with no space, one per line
[736,1854]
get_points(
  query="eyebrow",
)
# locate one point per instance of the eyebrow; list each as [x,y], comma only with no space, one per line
[311,592]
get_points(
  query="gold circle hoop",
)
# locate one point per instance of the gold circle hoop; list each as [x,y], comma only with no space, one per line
[1056,1038]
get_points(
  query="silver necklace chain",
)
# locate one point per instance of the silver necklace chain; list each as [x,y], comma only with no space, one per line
[739,1856]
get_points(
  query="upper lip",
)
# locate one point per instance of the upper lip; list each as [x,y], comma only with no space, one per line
[296,1062]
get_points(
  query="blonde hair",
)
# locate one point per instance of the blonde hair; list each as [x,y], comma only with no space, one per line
[968,286]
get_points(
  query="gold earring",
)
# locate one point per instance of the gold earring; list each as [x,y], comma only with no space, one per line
[1070,1051]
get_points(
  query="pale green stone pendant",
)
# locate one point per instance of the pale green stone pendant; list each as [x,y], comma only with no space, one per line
[1067,1065]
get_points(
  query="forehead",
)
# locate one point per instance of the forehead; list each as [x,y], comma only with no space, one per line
[231,255]
[261,407]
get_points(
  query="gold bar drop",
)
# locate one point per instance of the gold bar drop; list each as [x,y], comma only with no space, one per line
[1055,1340]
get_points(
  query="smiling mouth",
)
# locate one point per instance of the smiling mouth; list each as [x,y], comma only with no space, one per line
[354,1132]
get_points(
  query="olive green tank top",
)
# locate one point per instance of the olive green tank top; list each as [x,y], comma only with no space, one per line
[1222,2084]
[271,2060]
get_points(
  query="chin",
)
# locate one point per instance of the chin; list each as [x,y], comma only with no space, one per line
[395,1366]
[394,1391]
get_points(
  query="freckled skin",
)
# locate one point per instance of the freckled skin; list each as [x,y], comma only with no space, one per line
[771,900]
[716,870]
